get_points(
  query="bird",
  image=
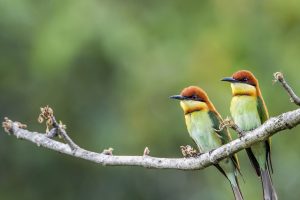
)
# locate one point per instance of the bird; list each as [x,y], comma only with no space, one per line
[203,121]
[248,110]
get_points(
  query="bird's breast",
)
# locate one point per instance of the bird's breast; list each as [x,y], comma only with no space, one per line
[244,112]
[200,128]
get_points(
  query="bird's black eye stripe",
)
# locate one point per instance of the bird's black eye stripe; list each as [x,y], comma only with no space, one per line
[195,97]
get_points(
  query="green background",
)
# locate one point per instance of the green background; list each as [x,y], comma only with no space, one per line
[107,68]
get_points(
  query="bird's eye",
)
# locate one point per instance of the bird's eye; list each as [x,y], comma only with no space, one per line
[194,96]
[245,79]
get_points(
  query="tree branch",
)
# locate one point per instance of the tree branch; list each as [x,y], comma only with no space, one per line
[274,125]
[294,98]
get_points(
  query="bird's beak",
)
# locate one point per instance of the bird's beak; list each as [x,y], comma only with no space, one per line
[178,97]
[229,79]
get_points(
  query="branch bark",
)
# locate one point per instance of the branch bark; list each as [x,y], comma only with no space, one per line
[274,125]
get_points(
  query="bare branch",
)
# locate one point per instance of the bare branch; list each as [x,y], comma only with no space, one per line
[284,121]
[294,98]
[272,126]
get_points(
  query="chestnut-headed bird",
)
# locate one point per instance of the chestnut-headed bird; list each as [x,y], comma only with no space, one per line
[202,121]
[249,111]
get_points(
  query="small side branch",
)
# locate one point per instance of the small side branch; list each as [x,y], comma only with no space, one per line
[280,78]
[59,129]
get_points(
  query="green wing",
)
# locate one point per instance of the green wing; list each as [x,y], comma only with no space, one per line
[262,110]
[264,116]
[216,121]
[223,134]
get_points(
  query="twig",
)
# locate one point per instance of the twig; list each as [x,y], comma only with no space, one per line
[294,98]
[59,129]
[62,132]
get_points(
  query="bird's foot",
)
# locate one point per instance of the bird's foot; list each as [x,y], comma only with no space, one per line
[241,134]
[228,122]
[198,154]
[210,151]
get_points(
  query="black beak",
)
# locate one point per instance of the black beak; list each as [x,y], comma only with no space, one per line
[230,79]
[178,97]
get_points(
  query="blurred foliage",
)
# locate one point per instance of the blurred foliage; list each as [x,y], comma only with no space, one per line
[108,67]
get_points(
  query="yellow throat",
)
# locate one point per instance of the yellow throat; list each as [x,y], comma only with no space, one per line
[243,89]
[190,106]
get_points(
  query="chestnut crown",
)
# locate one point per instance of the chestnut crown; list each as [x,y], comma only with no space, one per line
[244,76]
[194,93]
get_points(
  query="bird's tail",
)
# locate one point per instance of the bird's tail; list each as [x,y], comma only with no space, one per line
[269,190]
[236,190]
[232,177]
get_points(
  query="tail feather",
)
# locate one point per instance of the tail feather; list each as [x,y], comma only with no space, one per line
[253,161]
[237,193]
[268,189]
[236,188]
[232,178]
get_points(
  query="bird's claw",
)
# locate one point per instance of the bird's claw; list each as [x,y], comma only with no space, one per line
[199,154]
[210,151]
[241,134]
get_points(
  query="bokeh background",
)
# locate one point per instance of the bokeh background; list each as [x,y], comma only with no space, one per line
[108,67]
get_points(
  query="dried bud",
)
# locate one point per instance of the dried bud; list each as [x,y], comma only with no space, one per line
[62,126]
[188,151]
[278,76]
[108,151]
[7,124]
[20,125]
[46,114]
[146,151]
[40,119]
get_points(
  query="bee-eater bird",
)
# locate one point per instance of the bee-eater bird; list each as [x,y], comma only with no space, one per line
[249,111]
[202,121]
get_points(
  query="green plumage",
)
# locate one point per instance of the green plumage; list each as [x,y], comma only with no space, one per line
[249,112]
[224,133]
[203,128]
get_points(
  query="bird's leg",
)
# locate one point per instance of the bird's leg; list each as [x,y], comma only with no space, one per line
[210,151]
[228,122]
